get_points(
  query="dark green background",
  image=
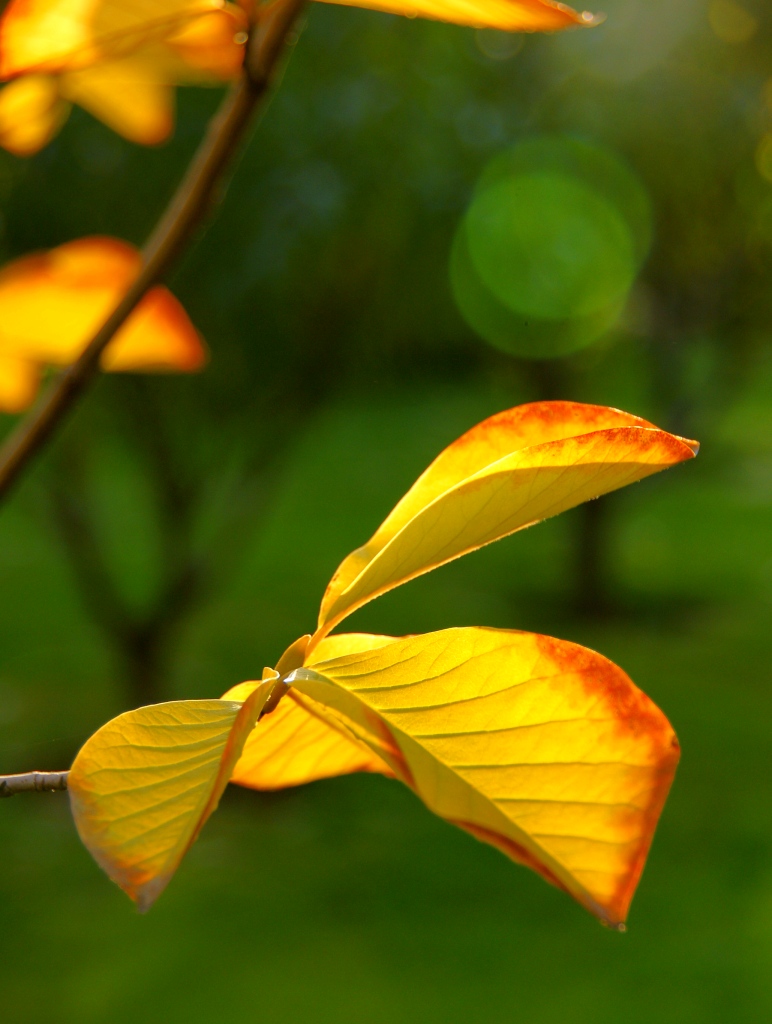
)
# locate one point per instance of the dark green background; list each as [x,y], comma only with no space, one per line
[339,368]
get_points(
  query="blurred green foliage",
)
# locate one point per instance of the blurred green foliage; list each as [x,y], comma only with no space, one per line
[550,245]
[181,531]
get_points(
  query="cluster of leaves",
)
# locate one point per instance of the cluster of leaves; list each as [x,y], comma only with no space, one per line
[538,746]
[542,748]
[121,61]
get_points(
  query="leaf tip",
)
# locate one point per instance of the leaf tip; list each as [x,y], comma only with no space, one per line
[145,896]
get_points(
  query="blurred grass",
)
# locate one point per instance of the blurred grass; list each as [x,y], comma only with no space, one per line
[345,901]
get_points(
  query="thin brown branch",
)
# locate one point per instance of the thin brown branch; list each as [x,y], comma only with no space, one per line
[190,205]
[33,782]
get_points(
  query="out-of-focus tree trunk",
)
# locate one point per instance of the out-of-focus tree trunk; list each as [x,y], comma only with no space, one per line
[591,570]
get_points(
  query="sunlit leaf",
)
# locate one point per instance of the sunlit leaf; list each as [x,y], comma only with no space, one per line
[292,745]
[157,337]
[117,58]
[142,786]
[62,35]
[538,746]
[180,41]
[509,15]
[19,383]
[52,303]
[508,472]
[59,35]
[128,95]
[209,46]
[31,113]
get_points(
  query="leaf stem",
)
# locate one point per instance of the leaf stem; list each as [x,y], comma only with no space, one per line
[33,782]
[193,200]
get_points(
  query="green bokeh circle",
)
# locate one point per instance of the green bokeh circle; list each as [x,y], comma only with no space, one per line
[515,333]
[547,246]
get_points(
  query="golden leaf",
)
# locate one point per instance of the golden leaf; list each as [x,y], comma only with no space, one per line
[508,15]
[117,58]
[31,113]
[292,745]
[538,746]
[142,787]
[52,303]
[127,95]
[120,58]
[509,472]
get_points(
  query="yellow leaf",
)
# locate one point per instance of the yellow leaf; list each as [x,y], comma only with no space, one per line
[182,41]
[59,35]
[142,786]
[292,745]
[208,45]
[31,113]
[509,15]
[538,746]
[51,303]
[19,383]
[128,95]
[158,337]
[117,58]
[509,472]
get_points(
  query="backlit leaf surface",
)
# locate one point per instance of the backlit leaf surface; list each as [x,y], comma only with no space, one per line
[19,383]
[31,113]
[538,746]
[57,35]
[117,58]
[120,58]
[293,745]
[62,35]
[130,96]
[52,303]
[507,473]
[142,786]
[509,15]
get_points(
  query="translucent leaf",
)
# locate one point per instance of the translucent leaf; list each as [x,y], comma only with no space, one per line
[208,44]
[292,745]
[19,383]
[62,35]
[52,303]
[130,96]
[508,472]
[31,113]
[142,787]
[509,15]
[117,58]
[538,746]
